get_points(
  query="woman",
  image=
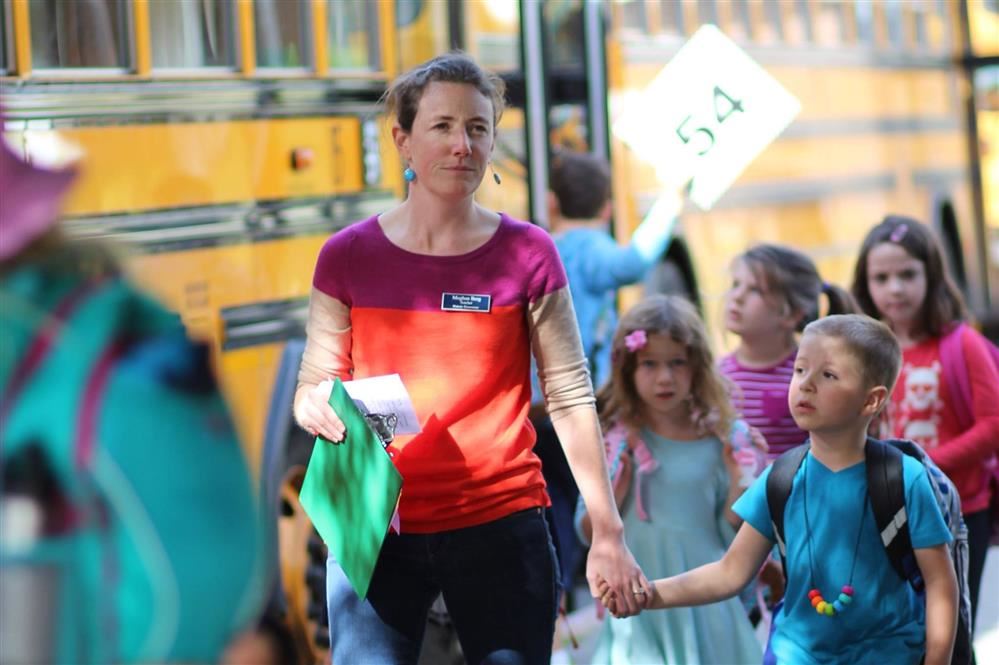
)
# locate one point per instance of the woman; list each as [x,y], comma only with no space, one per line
[454,298]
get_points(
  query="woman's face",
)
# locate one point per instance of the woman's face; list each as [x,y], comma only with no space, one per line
[896,281]
[451,140]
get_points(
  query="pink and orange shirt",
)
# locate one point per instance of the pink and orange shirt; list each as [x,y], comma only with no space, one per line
[459,330]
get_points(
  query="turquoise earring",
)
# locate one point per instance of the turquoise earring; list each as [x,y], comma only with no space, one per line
[409,174]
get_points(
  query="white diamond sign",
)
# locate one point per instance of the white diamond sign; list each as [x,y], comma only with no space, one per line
[706,116]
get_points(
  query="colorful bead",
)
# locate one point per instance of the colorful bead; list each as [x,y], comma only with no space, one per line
[833,608]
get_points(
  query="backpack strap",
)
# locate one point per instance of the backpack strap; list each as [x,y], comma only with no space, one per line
[955,371]
[886,492]
[43,342]
[779,484]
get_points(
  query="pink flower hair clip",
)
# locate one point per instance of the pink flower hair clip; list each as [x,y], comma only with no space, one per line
[636,340]
[899,233]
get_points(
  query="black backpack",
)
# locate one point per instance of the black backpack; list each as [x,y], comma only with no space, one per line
[886,492]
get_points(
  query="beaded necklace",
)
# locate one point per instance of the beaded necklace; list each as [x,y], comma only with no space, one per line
[820,604]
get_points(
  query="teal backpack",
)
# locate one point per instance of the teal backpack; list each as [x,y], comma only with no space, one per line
[149,549]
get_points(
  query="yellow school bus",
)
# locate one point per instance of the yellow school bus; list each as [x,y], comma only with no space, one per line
[225,140]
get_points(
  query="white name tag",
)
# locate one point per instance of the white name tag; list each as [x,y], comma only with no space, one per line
[466,302]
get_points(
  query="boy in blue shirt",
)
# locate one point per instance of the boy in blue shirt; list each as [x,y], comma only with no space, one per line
[844,373]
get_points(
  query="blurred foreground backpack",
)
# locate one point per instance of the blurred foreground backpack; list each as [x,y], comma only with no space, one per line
[129,523]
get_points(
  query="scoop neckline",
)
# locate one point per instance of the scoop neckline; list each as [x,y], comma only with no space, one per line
[450,258]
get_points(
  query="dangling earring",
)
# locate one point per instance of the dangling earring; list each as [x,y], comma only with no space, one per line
[496,176]
[409,174]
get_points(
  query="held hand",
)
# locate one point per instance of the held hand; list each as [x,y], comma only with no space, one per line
[317,417]
[612,563]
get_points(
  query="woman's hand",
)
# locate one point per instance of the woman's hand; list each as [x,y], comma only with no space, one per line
[612,572]
[316,416]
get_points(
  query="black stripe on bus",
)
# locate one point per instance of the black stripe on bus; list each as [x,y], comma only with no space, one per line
[263,323]
[154,232]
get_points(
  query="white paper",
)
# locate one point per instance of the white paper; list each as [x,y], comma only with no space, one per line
[385,394]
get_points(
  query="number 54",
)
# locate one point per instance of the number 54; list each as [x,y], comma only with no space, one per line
[722,113]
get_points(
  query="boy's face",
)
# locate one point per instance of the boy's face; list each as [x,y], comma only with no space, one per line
[828,392]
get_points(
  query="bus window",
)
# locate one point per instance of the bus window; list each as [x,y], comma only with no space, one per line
[281,33]
[671,17]
[797,23]
[865,22]
[894,23]
[766,21]
[740,26]
[353,35]
[565,25]
[707,12]
[492,33]
[422,31]
[830,23]
[187,34]
[631,15]
[79,34]
[920,34]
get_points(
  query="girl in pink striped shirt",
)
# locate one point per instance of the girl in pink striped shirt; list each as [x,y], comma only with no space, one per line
[774,294]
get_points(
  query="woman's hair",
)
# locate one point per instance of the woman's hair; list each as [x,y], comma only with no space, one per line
[403,96]
[677,318]
[943,304]
[793,279]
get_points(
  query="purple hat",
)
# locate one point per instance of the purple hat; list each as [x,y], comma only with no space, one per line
[30,199]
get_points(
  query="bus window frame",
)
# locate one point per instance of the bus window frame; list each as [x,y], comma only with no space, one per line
[83,73]
[8,64]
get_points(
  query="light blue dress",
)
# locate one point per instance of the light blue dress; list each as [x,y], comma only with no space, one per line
[684,500]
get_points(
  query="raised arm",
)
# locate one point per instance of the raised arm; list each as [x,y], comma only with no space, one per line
[565,383]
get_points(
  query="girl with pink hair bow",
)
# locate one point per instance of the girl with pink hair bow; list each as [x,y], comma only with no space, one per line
[669,440]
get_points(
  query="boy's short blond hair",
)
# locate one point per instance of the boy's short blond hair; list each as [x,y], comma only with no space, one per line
[870,341]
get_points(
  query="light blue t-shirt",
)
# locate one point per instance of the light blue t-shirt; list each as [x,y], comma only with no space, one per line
[885,623]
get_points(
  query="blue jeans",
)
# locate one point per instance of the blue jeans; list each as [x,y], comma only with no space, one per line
[499,581]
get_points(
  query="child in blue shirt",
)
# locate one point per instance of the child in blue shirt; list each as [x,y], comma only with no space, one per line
[844,372]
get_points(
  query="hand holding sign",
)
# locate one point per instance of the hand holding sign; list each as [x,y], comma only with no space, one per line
[706,116]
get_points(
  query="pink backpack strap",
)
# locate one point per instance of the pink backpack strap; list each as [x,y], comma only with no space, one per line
[955,371]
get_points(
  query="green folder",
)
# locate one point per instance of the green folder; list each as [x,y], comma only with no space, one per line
[350,492]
